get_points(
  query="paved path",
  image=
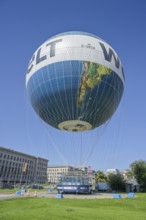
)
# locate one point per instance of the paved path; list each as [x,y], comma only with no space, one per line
[66,196]
[7,196]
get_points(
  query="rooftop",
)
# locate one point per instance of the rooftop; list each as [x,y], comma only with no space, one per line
[21,153]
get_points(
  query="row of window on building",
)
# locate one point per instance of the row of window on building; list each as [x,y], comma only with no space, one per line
[15,165]
[20,159]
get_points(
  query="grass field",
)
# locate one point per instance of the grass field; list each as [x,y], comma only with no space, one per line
[74,209]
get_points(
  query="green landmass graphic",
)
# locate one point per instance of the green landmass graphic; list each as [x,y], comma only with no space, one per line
[92,75]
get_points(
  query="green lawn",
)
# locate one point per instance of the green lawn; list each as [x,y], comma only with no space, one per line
[74,209]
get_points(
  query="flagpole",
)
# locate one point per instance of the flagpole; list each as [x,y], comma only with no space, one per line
[24,168]
[21,176]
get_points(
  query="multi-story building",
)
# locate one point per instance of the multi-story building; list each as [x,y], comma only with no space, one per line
[113,171]
[17,167]
[54,172]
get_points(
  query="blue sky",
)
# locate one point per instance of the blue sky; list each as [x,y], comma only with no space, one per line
[25,25]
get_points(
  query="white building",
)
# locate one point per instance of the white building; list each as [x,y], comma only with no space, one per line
[113,171]
[131,183]
[54,172]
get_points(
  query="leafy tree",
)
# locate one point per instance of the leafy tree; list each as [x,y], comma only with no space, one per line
[101,177]
[138,169]
[116,182]
[129,174]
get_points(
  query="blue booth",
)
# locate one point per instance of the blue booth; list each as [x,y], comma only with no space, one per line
[117,196]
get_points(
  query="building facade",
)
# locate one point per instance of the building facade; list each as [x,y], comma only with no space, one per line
[54,172]
[17,167]
[112,171]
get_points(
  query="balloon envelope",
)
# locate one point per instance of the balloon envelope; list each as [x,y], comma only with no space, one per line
[75,81]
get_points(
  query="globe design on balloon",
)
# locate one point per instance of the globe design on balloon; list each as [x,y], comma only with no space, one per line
[75,81]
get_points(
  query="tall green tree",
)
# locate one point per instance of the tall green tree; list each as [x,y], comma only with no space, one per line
[116,182]
[101,177]
[138,169]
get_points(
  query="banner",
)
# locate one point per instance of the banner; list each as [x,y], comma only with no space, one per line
[24,167]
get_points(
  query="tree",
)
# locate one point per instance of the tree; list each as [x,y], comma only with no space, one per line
[138,169]
[116,182]
[101,177]
[129,174]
